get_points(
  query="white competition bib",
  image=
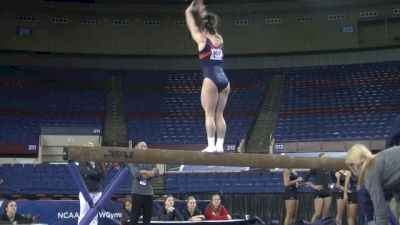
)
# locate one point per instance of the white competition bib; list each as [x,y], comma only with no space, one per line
[216,54]
[143,182]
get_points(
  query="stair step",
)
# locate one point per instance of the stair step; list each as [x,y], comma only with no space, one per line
[115,132]
[265,124]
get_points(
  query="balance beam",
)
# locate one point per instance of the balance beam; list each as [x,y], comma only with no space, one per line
[181,157]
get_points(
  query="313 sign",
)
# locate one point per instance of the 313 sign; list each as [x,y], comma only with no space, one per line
[347,29]
[279,146]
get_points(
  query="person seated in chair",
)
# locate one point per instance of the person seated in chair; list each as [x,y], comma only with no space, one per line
[169,213]
[215,210]
[191,212]
[126,212]
[10,215]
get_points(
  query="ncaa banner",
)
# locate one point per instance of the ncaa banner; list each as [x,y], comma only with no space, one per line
[65,212]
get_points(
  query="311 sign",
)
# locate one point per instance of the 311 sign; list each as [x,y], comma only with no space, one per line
[24,31]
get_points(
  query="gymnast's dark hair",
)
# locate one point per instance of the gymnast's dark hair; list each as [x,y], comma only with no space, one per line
[209,22]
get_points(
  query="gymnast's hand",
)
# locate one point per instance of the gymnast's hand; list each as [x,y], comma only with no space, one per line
[192,6]
[345,198]
[317,187]
[170,209]
[199,7]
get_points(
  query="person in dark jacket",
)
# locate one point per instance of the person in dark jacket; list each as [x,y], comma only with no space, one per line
[92,173]
[126,212]
[394,140]
[10,215]
[169,213]
[394,136]
[322,194]
[291,181]
[191,212]
[346,182]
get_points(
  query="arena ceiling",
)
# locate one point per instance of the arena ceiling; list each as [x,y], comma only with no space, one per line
[178,5]
[278,5]
[166,2]
[216,1]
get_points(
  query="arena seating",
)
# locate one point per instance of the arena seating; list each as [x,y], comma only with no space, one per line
[317,103]
[226,182]
[339,102]
[35,97]
[164,107]
[46,179]
[55,179]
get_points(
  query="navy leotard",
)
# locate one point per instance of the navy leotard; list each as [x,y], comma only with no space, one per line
[352,196]
[291,191]
[212,64]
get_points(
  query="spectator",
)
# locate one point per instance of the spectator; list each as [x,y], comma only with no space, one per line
[169,213]
[92,174]
[191,212]
[126,212]
[10,215]
[215,210]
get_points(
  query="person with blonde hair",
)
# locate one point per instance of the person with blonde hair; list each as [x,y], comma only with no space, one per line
[378,173]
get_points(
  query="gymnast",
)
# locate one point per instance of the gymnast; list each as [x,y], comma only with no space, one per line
[215,89]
